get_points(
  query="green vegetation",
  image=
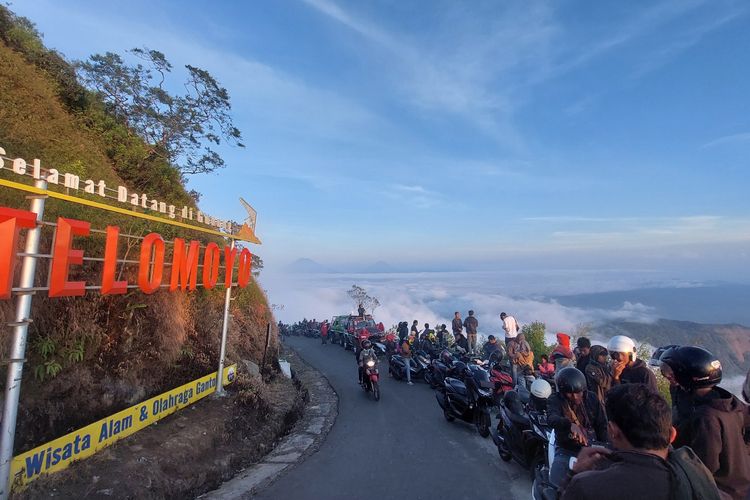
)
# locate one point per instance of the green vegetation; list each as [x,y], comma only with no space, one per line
[91,357]
[534,333]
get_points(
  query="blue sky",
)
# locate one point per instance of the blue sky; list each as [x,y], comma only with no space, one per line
[470,134]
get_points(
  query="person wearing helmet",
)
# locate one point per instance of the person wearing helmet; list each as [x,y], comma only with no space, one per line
[598,375]
[540,392]
[577,417]
[641,464]
[626,367]
[717,427]
[365,354]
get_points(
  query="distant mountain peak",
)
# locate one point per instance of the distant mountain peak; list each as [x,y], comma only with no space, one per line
[304,266]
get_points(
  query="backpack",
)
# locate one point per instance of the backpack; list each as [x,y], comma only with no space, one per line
[691,479]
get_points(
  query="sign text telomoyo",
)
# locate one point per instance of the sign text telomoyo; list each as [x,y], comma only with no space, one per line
[185,259]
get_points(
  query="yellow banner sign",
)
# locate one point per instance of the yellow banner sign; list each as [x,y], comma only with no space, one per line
[60,453]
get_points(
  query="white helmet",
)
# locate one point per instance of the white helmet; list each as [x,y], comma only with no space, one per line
[541,389]
[621,343]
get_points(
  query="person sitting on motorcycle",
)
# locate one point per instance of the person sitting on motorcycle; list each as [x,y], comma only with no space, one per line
[561,355]
[490,347]
[462,342]
[367,353]
[577,417]
[641,464]
[440,335]
[545,368]
[521,356]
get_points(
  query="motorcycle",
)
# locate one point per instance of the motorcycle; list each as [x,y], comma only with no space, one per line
[397,367]
[371,378]
[521,433]
[469,399]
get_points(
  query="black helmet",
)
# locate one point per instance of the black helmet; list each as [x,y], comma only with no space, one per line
[366,344]
[693,367]
[656,356]
[460,368]
[569,380]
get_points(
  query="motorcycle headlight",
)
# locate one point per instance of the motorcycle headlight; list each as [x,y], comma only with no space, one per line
[371,363]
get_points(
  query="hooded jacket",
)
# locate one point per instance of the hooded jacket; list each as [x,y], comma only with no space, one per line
[716,432]
[598,376]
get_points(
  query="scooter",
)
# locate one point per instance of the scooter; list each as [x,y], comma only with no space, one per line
[397,368]
[521,433]
[371,378]
[469,400]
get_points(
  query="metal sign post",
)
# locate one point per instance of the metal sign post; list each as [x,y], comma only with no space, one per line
[222,352]
[18,346]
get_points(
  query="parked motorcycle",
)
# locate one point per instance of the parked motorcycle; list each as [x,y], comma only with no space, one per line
[502,381]
[469,399]
[371,379]
[397,368]
[522,431]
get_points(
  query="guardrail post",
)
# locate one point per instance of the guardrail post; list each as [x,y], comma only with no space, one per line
[18,345]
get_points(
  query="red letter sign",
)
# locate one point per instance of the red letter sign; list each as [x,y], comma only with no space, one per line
[63,256]
[244,267]
[109,285]
[184,267]
[149,282]
[10,221]
[211,266]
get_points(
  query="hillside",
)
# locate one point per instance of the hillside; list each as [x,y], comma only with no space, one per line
[90,357]
[731,343]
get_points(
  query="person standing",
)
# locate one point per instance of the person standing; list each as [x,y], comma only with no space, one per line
[406,356]
[521,357]
[510,325]
[414,329]
[582,353]
[457,326]
[403,331]
[598,376]
[361,310]
[471,324]
[324,332]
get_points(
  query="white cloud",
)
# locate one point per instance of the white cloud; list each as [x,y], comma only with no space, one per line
[741,138]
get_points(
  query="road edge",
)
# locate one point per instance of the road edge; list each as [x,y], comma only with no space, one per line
[308,434]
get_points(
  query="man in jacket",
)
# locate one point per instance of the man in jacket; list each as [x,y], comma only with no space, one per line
[471,324]
[577,417]
[626,367]
[582,352]
[457,325]
[640,465]
[520,355]
[490,347]
[598,376]
[717,428]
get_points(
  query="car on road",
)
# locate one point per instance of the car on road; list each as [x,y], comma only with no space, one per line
[338,328]
[360,326]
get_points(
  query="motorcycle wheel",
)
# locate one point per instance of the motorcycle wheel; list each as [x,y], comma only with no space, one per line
[482,422]
[446,413]
[376,391]
[536,463]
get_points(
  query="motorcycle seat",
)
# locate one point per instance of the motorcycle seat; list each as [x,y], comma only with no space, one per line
[458,386]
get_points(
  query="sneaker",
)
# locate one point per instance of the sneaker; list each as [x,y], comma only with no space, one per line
[410,383]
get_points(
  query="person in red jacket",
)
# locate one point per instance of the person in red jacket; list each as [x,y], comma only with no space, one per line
[562,355]
[324,331]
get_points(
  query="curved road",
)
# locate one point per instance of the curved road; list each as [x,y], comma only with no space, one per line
[399,447]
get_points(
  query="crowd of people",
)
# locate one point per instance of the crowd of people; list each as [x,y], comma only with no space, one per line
[611,419]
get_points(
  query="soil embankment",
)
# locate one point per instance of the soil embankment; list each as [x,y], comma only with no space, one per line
[190,452]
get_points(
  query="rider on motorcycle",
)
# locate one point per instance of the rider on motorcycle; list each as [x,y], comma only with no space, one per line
[367,353]
[577,417]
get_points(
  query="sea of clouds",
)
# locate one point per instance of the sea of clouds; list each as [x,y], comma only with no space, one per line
[433,297]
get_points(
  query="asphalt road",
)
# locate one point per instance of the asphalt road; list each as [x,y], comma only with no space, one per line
[399,447]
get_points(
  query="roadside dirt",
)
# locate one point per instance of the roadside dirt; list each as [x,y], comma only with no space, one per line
[188,453]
